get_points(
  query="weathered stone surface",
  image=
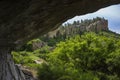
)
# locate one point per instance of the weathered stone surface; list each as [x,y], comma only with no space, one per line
[22,20]
[24,72]
[8,70]
[97,26]
[89,25]
[38,45]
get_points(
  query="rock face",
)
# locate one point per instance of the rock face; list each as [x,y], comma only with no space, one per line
[25,73]
[97,26]
[22,20]
[37,45]
[8,70]
[28,75]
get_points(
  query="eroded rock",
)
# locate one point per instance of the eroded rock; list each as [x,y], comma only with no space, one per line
[24,72]
[98,25]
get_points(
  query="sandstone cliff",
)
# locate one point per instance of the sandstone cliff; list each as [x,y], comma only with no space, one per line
[97,26]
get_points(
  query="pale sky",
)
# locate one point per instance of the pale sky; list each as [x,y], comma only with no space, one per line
[111,13]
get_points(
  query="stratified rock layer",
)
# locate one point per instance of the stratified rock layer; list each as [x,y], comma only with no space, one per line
[22,20]
[97,26]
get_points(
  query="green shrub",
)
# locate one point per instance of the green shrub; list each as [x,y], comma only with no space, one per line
[83,58]
[65,78]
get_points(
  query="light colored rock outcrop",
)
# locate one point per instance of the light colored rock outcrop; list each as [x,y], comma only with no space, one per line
[38,45]
[98,26]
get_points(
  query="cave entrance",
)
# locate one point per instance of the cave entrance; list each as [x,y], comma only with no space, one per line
[8,70]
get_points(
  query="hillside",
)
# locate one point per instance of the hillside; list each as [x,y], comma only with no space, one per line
[73,52]
[69,30]
[96,25]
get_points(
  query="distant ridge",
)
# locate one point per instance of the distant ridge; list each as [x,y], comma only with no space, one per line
[95,25]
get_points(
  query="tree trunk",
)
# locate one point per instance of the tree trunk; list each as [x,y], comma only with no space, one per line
[8,70]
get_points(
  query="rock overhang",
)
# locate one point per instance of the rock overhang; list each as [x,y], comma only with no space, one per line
[23,20]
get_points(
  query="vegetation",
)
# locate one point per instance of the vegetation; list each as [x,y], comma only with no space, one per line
[89,56]
[75,56]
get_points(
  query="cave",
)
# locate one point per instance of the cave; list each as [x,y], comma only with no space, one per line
[23,20]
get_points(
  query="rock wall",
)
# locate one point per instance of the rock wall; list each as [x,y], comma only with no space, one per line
[25,73]
[98,26]
[38,45]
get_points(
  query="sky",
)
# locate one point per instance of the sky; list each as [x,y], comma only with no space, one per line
[111,13]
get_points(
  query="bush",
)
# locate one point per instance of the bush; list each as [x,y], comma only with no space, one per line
[65,78]
[86,57]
